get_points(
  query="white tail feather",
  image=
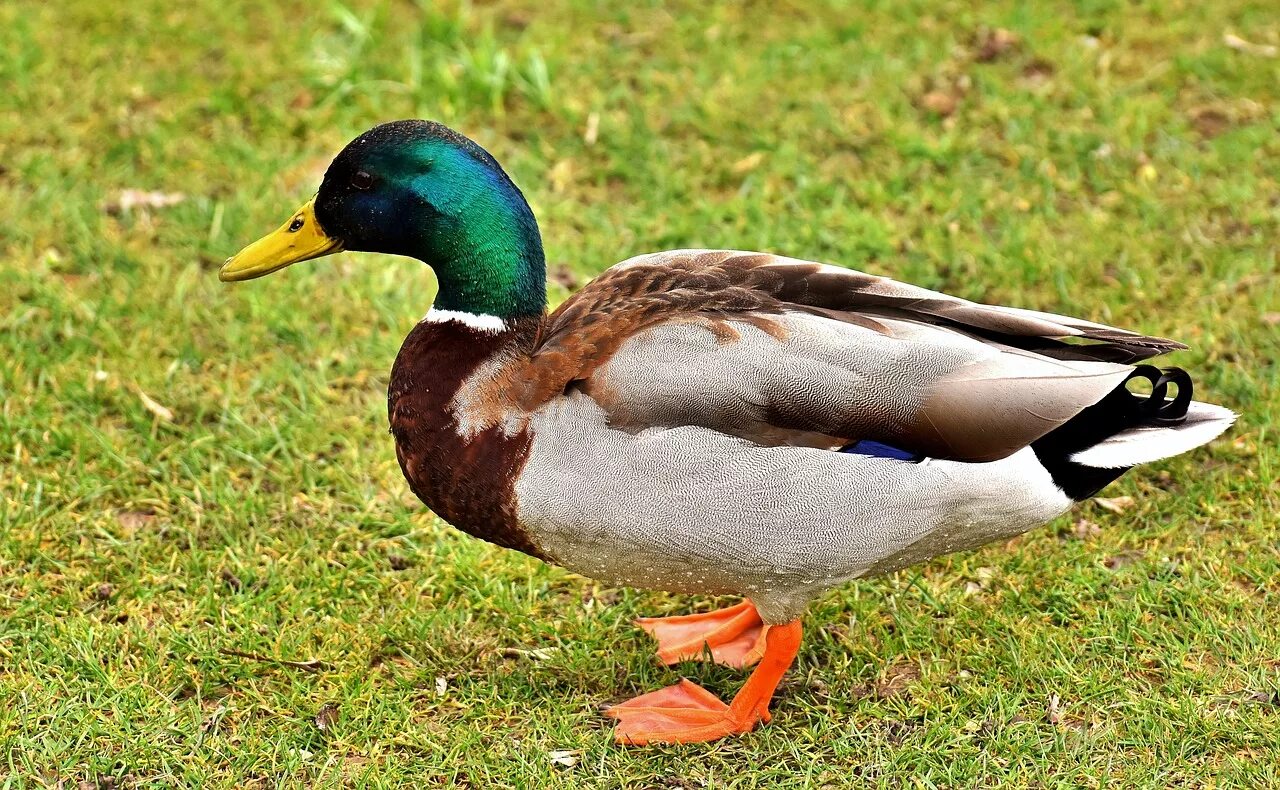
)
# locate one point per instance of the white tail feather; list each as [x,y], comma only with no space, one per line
[1204,423]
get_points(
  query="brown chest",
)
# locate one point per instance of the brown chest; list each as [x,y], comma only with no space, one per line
[467,478]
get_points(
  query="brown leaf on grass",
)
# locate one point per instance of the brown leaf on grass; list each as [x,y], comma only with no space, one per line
[517,20]
[940,103]
[1053,712]
[994,42]
[152,406]
[1085,529]
[326,717]
[135,519]
[1038,72]
[1118,504]
[748,163]
[126,201]
[565,758]
[1248,47]
[897,678]
[1121,560]
[399,563]
[231,580]
[1209,122]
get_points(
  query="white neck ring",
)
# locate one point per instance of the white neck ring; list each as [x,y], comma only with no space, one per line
[481,322]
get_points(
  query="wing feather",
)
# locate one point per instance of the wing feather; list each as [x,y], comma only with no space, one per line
[781,351]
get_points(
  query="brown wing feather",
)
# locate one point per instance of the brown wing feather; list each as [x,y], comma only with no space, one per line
[590,327]
[653,288]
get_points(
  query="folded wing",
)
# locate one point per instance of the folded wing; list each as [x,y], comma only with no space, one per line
[781,351]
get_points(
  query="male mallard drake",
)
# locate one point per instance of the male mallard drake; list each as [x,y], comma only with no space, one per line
[709,421]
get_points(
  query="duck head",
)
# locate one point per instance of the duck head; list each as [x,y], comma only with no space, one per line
[419,189]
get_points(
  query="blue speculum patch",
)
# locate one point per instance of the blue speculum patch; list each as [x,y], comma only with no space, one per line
[878,450]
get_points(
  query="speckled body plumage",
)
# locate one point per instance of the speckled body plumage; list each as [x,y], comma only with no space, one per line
[689,509]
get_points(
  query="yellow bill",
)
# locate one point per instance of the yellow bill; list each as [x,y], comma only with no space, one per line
[299,239]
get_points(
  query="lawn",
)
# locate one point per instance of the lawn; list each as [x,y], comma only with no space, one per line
[213,574]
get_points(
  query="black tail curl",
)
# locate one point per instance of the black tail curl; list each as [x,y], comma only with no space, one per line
[1154,407]
[1119,411]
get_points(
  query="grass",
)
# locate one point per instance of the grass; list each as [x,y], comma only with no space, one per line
[1120,162]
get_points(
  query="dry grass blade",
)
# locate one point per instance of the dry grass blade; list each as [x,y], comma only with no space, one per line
[1117,504]
[566,758]
[154,407]
[534,654]
[312,665]
[129,200]
[1248,47]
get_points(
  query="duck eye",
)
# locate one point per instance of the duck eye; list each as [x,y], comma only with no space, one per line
[361,180]
[296,225]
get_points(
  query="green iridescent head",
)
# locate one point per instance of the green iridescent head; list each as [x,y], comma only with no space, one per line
[418,188]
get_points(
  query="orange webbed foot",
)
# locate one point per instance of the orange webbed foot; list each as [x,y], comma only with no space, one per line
[735,636]
[688,713]
[683,713]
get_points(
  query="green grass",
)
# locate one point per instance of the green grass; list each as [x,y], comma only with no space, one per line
[1120,163]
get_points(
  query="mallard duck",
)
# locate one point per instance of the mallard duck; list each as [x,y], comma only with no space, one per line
[720,422]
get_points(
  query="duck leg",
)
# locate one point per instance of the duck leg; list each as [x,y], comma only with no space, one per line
[734,635]
[688,713]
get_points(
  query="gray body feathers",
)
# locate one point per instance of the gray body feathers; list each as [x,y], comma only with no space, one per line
[697,454]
